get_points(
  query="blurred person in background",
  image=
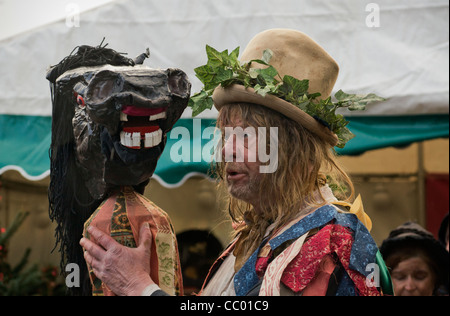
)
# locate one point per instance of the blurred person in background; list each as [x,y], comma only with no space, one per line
[418,263]
[443,232]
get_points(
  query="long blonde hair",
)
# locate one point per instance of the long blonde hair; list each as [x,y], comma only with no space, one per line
[305,163]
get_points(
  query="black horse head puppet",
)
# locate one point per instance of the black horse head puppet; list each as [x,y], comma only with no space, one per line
[110,118]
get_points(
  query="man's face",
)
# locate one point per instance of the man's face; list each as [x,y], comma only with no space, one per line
[242,166]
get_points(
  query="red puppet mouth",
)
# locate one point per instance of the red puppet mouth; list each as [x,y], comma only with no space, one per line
[140,128]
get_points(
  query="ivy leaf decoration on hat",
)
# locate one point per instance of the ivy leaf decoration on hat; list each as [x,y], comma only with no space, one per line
[225,69]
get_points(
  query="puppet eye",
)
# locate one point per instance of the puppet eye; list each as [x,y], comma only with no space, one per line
[80,101]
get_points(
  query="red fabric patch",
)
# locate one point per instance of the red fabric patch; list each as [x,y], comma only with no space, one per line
[332,239]
[261,265]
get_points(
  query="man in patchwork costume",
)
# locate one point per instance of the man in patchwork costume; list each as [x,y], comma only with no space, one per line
[293,236]
[296,238]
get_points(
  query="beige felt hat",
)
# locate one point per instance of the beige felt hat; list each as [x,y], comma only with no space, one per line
[294,54]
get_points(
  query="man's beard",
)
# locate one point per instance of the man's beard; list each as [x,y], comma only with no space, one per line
[249,191]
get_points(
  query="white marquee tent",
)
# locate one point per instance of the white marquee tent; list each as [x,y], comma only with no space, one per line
[398,49]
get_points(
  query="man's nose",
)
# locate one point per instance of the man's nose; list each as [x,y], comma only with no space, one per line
[229,149]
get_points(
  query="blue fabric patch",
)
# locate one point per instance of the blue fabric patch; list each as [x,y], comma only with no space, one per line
[318,218]
[346,286]
[364,249]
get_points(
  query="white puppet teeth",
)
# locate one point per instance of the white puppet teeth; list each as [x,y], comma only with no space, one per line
[158,116]
[133,140]
[137,140]
[153,139]
[123,117]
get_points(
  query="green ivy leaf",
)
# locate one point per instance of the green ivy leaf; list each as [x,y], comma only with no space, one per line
[344,136]
[356,102]
[262,90]
[265,60]
[292,87]
[267,55]
[199,102]
[268,74]
[215,58]
[234,62]
[207,76]
[224,75]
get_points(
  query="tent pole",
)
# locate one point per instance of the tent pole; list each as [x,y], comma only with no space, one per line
[421,216]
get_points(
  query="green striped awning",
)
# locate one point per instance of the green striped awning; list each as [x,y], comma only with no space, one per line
[25,142]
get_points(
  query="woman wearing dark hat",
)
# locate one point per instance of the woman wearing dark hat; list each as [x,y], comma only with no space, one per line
[418,263]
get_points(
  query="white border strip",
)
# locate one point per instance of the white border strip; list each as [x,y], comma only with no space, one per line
[182,181]
[156,177]
[24,173]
